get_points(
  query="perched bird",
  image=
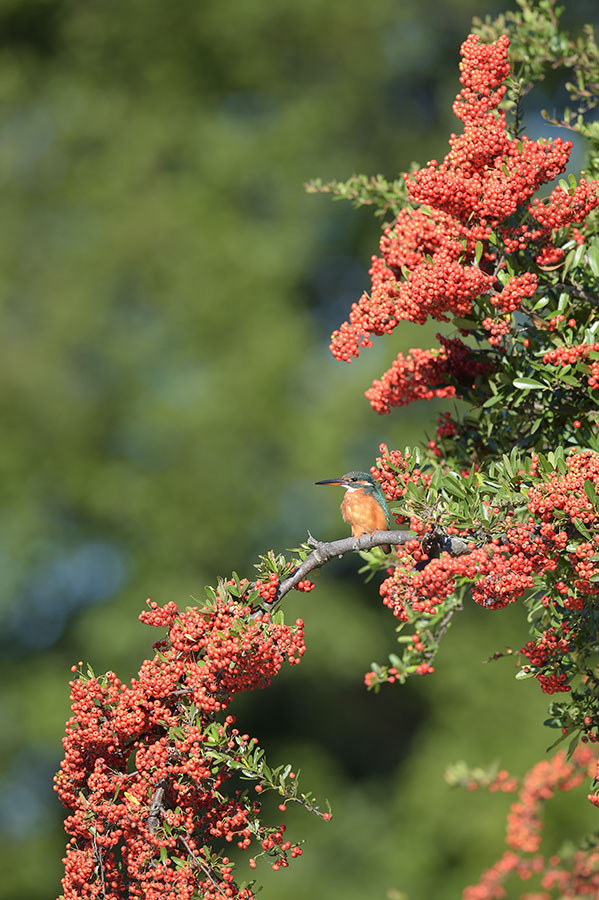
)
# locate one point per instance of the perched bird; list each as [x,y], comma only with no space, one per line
[364,506]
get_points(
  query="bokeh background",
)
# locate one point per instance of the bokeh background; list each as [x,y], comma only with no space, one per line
[168,400]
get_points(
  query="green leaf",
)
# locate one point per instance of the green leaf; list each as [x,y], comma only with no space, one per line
[451,484]
[556,743]
[529,384]
[497,398]
[564,300]
[572,746]
[507,464]
[464,324]
[540,304]
[593,258]
[591,492]
[578,254]
[584,531]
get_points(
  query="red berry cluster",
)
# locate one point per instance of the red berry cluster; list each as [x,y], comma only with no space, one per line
[548,646]
[268,590]
[395,470]
[570,880]
[564,208]
[146,765]
[440,257]
[497,327]
[515,292]
[305,586]
[426,374]
[446,427]
[570,355]
[567,356]
[500,572]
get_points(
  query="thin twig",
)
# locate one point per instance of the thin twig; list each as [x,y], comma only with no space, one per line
[578,292]
[443,626]
[201,865]
[98,855]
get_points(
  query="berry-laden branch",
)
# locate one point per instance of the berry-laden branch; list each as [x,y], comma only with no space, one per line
[151,767]
[153,774]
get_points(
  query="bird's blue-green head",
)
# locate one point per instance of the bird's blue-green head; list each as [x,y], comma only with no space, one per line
[353,481]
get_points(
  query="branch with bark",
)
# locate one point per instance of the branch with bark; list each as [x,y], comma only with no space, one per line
[156,807]
[325,551]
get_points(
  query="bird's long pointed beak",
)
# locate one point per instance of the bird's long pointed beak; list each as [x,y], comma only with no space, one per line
[330,481]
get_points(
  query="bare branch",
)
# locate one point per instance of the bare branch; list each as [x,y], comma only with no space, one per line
[579,292]
[324,552]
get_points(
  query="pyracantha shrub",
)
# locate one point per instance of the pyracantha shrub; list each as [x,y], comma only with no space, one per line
[502,505]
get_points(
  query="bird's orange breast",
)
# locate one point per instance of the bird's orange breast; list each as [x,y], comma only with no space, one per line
[363,513]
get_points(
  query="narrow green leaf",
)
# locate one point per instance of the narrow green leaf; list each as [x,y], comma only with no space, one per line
[529,384]
[572,746]
[556,743]
[536,425]
[593,258]
[590,491]
[497,398]
[581,527]
[451,484]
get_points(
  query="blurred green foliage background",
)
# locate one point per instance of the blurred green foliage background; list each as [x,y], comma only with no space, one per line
[168,290]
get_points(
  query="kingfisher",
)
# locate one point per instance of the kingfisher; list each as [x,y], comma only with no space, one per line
[364,506]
